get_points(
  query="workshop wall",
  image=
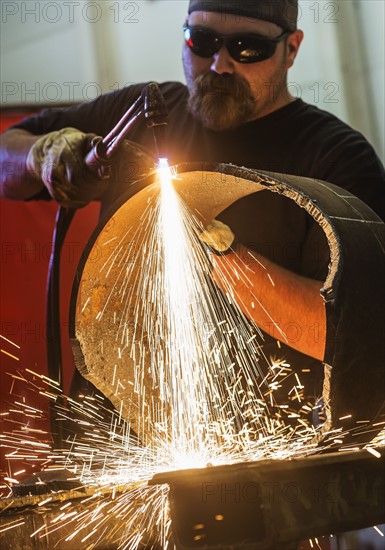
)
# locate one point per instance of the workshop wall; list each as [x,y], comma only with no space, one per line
[60,51]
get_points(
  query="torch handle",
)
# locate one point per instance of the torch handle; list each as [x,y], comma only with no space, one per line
[97,160]
[152,105]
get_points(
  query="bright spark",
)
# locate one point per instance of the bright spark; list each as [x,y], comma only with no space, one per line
[9,341]
[374,452]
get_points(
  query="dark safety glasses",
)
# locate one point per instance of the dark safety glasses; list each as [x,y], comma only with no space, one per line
[243,48]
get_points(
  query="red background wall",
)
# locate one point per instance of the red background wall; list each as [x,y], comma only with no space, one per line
[26,234]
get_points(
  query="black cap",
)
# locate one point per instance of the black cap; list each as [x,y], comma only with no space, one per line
[283,13]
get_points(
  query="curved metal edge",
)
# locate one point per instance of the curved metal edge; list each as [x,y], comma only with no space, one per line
[342,216]
[354,295]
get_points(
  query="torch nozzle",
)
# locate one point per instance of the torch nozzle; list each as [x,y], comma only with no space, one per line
[160,141]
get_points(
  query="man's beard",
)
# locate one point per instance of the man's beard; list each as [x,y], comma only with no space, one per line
[221,102]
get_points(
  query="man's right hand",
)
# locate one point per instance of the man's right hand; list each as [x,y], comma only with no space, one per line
[57,159]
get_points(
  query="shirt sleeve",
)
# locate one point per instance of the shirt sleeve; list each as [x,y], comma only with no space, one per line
[351,162]
[98,116]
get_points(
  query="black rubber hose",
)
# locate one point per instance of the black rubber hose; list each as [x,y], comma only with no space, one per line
[53,330]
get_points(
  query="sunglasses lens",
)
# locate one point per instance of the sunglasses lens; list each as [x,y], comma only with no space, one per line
[243,48]
[250,49]
[202,42]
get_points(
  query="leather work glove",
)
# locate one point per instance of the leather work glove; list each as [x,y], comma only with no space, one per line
[57,159]
[218,238]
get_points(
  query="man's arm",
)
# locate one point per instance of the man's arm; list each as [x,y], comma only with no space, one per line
[55,161]
[287,306]
[16,182]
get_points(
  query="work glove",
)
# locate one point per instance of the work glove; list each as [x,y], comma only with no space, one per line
[218,238]
[57,159]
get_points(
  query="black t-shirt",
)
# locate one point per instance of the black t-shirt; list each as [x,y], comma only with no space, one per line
[297,139]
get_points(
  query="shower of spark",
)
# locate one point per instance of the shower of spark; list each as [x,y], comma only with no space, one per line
[215,388]
[205,361]
[211,360]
